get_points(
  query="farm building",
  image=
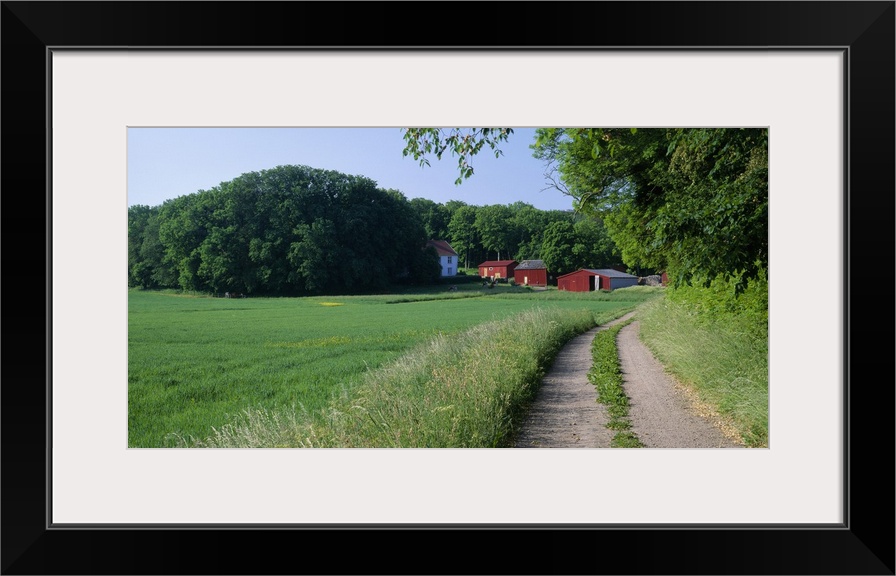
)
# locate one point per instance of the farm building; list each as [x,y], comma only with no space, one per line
[531,273]
[497,269]
[588,280]
[658,279]
[447,256]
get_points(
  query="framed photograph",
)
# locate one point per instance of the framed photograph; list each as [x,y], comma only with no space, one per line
[818,75]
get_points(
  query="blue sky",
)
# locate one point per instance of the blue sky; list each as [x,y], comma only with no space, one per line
[166,163]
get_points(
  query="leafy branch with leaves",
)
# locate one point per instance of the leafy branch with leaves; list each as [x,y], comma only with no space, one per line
[461,142]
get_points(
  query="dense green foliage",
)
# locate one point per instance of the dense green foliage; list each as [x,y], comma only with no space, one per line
[463,235]
[192,360]
[583,243]
[693,202]
[287,230]
[434,217]
[518,232]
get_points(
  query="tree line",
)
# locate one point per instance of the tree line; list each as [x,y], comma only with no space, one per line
[565,240]
[297,230]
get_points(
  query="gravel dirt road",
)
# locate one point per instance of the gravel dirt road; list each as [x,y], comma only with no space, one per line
[566,414]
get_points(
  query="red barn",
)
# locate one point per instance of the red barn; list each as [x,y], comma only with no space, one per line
[531,273]
[589,280]
[497,269]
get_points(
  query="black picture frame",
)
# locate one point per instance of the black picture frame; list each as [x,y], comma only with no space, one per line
[864,544]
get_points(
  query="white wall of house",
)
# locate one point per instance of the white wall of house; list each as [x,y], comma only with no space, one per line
[449,265]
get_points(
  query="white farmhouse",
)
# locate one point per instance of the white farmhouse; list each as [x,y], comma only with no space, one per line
[447,256]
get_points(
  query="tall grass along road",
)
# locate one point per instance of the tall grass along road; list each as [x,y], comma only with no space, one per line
[720,359]
[425,400]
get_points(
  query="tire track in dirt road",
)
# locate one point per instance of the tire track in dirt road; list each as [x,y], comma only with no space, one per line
[662,416]
[566,414]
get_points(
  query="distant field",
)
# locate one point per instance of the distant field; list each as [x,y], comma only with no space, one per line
[194,360]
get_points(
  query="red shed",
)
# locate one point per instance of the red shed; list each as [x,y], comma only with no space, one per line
[531,273]
[497,269]
[588,280]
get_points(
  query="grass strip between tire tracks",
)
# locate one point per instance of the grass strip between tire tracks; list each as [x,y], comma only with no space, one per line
[606,375]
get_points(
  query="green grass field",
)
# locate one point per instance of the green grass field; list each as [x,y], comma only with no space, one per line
[194,362]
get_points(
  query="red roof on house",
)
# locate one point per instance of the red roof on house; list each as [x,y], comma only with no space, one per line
[442,247]
[497,263]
